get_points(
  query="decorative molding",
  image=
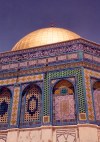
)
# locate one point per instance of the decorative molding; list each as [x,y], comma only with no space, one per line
[66,135]
[3,137]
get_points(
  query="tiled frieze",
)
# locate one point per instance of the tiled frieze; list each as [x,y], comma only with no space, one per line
[42,61]
[97,59]
[52,59]
[87,75]
[21,79]
[4,67]
[63,57]
[15,66]
[51,50]
[32,63]
[22,64]
[91,57]
[49,68]
[15,105]
[88,56]
[72,56]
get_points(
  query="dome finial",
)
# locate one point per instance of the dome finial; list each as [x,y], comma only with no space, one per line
[52,24]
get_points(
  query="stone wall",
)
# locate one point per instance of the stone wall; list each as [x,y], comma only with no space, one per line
[75,133]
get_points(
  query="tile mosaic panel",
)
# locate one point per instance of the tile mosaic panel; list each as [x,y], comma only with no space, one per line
[62,74]
[91,57]
[15,66]
[4,67]
[96,94]
[72,56]
[51,68]
[46,119]
[42,61]
[52,59]
[23,64]
[87,75]
[15,106]
[97,59]
[64,108]
[63,57]
[87,56]
[82,116]
[31,63]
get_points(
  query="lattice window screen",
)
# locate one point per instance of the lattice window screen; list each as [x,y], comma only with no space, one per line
[4,105]
[31,105]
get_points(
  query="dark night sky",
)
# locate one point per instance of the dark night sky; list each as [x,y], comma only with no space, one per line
[20,17]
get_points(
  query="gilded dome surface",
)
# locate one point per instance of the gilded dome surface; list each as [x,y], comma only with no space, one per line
[44,36]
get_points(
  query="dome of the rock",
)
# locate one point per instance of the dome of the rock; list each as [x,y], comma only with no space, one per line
[50,88]
[45,36]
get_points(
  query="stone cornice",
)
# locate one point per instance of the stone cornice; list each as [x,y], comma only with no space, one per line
[52,127]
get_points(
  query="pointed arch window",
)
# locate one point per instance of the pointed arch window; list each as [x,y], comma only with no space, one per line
[63,102]
[31,106]
[5,105]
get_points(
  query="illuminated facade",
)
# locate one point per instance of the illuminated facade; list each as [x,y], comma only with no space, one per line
[50,89]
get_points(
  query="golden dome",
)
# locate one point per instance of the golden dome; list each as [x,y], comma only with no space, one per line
[45,36]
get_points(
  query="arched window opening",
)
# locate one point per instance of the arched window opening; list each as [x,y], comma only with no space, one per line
[5,100]
[31,105]
[63,102]
[96,94]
